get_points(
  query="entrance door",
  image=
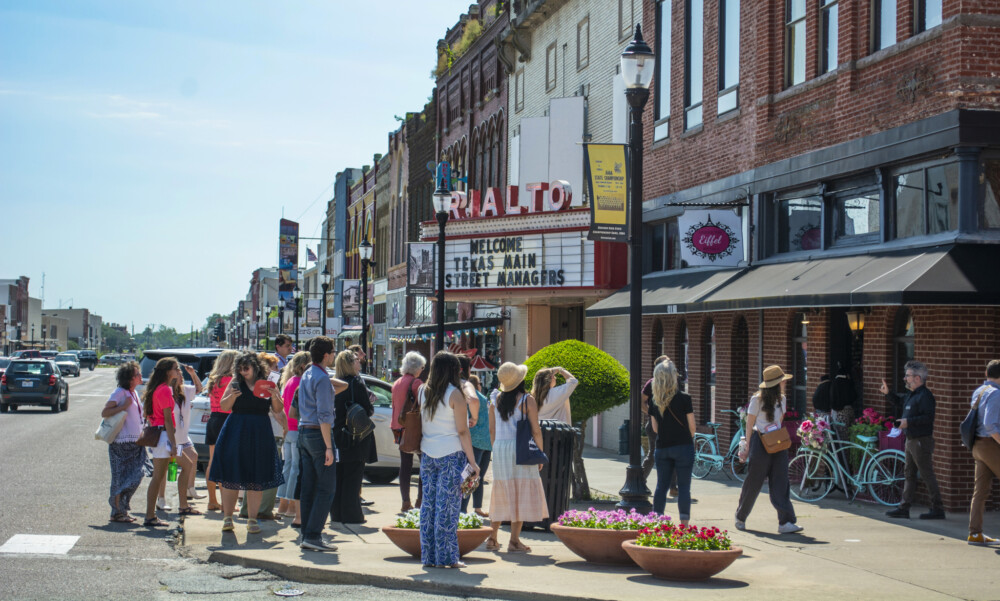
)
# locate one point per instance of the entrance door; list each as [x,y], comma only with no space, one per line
[846,349]
[566,323]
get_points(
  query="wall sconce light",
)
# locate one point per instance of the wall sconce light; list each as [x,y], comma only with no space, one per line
[856,321]
[805,319]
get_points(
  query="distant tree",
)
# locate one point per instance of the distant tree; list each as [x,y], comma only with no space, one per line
[72,345]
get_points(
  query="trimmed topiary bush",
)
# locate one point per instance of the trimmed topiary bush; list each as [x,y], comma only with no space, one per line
[604,383]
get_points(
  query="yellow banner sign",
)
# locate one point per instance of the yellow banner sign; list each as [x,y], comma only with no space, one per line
[609,178]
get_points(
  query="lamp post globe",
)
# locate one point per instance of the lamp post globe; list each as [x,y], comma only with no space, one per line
[637,62]
[442,204]
[297,295]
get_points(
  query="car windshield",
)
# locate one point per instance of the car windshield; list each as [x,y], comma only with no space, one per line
[29,369]
[4,362]
[66,357]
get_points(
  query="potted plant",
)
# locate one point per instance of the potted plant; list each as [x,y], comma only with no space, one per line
[405,534]
[596,536]
[814,432]
[871,424]
[682,552]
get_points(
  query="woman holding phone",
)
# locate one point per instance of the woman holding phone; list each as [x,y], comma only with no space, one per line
[246,457]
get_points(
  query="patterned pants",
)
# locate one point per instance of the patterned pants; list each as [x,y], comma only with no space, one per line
[441,483]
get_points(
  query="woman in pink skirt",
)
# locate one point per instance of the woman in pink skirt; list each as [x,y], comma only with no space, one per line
[517,495]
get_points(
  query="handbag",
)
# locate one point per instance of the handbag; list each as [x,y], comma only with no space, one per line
[967,429]
[527,452]
[776,440]
[110,427]
[150,436]
[357,421]
[412,427]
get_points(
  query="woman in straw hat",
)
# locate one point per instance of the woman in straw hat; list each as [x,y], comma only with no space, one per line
[766,410]
[517,494]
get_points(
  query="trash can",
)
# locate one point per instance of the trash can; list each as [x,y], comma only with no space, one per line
[558,441]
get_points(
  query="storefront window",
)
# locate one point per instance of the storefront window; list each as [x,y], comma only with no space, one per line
[657,338]
[856,215]
[708,389]
[926,200]
[800,348]
[903,342]
[910,204]
[681,354]
[798,224]
[664,247]
[990,217]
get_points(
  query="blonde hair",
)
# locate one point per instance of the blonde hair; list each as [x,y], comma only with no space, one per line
[223,368]
[296,367]
[542,383]
[664,384]
[345,364]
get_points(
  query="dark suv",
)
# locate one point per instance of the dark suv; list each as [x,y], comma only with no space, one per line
[88,358]
[201,359]
[33,382]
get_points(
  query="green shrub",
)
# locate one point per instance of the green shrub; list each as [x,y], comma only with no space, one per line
[603,380]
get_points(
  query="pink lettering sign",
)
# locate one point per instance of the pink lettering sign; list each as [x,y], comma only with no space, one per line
[711,240]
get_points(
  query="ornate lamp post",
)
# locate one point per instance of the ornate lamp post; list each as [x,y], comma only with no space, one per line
[267,327]
[365,253]
[442,204]
[637,70]
[325,279]
[297,294]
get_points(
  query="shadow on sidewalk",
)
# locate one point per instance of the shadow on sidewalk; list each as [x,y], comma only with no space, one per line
[794,539]
[710,584]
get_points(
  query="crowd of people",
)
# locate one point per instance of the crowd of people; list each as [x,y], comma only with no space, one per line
[313,471]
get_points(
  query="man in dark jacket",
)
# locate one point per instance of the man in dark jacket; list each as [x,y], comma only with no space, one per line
[917,420]
[821,398]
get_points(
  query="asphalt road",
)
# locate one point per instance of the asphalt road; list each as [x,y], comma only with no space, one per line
[55,480]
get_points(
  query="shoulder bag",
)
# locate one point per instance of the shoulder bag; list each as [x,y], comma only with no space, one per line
[527,452]
[410,419]
[357,421]
[967,429]
[776,440]
[110,427]
[150,436]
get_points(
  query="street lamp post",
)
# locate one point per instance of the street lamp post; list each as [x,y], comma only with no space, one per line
[326,286]
[637,63]
[297,293]
[442,203]
[365,252]
[45,344]
[32,335]
[267,327]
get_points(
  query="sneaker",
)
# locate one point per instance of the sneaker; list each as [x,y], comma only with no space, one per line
[365,503]
[161,503]
[899,512]
[740,524]
[982,540]
[789,528]
[194,494]
[933,514]
[318,545]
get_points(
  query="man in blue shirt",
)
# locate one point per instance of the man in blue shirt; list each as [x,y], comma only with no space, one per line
[317,455]
[986,451]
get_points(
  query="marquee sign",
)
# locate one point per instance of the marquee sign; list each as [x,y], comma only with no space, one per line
[710,241]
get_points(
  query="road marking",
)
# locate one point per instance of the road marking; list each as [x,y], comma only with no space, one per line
[76,394]
[41,544]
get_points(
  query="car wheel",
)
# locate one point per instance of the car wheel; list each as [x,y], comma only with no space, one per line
[381,476]
[55,407]
[65,403]
[91,368]
[4,408]
[77,374]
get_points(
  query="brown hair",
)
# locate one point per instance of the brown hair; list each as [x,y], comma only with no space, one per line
[159,377]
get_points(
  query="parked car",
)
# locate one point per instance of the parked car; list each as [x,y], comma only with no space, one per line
[4,362]
[68,364]
[28,354]
[88,358]
[33,382]
[48,354]
[110,359]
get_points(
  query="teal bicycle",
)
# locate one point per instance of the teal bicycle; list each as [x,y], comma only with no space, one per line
[708,459]
[814,472]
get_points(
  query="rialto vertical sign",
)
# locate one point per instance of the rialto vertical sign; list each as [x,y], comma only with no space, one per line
[609,178]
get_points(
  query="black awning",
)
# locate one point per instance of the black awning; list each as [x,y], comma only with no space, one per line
[458,326]
[943,275]
[668,293]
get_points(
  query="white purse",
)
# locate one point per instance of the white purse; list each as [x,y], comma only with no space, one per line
[110,427]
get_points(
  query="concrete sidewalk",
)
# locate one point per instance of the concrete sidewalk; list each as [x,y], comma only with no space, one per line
[846,550]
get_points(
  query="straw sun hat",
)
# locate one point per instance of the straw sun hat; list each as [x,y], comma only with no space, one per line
[773,375]
[510,375]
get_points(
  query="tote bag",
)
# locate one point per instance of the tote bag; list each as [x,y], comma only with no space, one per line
[110,427]
[410,418]
[527,452]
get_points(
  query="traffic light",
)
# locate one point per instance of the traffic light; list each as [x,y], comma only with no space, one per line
[220,332]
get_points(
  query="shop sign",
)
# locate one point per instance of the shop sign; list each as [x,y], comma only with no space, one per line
[609,179]
[555,260]
[352,297]
[708,240]
[420,258]
[542,197]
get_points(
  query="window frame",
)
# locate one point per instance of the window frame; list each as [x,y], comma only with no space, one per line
[664,39]
[852,189]
[876,42]
[669,253]
[900,338]
[725,91]
[625,27]
[709,381]
[922,167]
[519,90]
[583,49]
[800,342]
[790,26]
[826,8]
[693,109]
[920,15]
[551,66]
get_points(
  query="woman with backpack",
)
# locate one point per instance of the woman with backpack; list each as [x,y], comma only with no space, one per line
[352,453]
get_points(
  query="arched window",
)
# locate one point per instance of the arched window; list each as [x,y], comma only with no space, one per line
[800,348]
[708,373]
[902,334]
[681,354]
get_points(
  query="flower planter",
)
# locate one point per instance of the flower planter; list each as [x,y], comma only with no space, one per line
[885,442]
[681,564]
[408,539]
[596,545]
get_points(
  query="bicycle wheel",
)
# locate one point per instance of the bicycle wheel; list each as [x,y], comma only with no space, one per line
[886,477]
[811,476]
[703,461]
[737,468]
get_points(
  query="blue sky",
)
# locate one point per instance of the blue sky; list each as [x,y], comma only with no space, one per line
[149,148]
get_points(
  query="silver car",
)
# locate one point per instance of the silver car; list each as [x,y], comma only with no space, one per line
[68,364]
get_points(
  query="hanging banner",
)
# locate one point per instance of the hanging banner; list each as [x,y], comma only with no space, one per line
[609,178]
[420,263]
[352,297]
[288,257]
[313,312]
[710,238]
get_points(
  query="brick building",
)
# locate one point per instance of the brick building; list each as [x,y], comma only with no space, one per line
[857,145]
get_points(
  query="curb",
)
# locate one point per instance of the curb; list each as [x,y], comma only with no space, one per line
[324,575]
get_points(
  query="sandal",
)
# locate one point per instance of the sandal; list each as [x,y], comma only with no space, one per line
[227,524]
[214,507]
[252,526]
[122,518]
[492,544]
[188,511]
[518,547]
[482,513]
[153,522]
[458,564]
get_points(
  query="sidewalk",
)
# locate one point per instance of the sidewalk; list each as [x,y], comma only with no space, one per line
[845,551]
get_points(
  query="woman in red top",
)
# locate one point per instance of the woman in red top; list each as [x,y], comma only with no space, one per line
[218,380]
[158,406]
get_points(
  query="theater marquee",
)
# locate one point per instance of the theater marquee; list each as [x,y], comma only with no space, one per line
[519,261]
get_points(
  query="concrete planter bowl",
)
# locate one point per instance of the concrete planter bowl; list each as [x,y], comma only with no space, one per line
[596,545]
[681,564]
[408,539]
